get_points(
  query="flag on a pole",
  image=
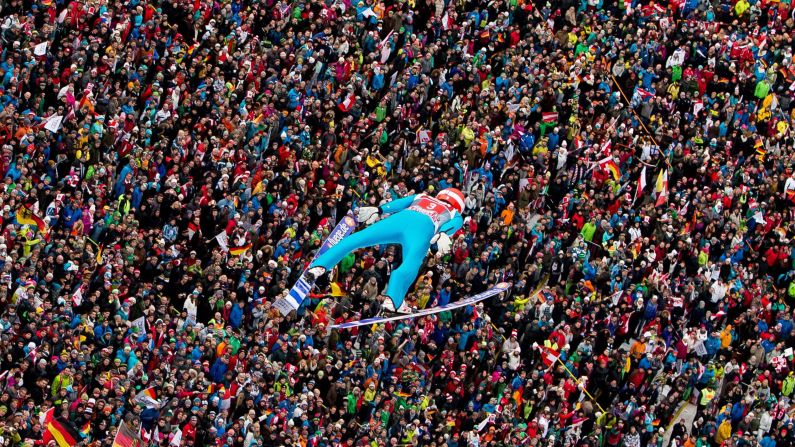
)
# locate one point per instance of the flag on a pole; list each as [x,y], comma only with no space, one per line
[347,103]
[611,166]
[662,178]
[146,436]
[627,366]
[77,296]
[223,240]
[549,355]
[424,136]
[193,228]
[644,94]
[662,187]
[177,439]
[147,398]
[53,123]
[606,148]
[447,21]
[26,217]
[125,436]
[546,296]
[60,431]
[698,106]
[85,430]
[759,145]
[46,417]
[641,183]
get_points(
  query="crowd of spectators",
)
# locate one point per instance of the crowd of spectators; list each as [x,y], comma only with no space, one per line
[170,167]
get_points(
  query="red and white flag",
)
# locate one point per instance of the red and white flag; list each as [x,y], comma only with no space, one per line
[549,117]
[644,94]
[578,143]
[447,22]
[641,184]
[47,416]
[698,106]
[347,103]
[549,355]
[606,148]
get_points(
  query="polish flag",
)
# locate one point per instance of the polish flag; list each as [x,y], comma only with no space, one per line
[641,183]
[447,22]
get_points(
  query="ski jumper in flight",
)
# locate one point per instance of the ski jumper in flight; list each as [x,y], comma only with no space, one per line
[415,222]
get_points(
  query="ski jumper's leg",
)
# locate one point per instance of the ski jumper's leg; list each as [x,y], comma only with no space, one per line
[415,241]
[386,231]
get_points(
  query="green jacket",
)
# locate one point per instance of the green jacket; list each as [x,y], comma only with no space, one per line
[762,89]
[351,405]
[588,231]
[676,73]
[788,386]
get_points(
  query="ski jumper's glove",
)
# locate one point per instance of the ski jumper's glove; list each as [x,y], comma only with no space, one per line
[368,214]
[443,243]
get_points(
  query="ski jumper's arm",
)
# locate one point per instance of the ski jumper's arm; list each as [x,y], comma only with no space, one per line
[451,226]
[397,205]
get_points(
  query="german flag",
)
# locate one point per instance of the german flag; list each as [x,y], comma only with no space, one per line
[237,251]
[761,151]
[612,167]
[62,432]
[26,217]
[126,437]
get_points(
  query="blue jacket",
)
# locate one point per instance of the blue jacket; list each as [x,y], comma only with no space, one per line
[100,331]
[236,316]
[737,412]
[378,81]
[712,344]
[218,370]
[650,311]
[70,215]
[444,297]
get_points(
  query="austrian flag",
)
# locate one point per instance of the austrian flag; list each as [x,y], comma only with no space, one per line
[549,355]
[549,117]
[347,103]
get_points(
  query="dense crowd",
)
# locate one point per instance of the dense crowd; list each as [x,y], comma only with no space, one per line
[169,169]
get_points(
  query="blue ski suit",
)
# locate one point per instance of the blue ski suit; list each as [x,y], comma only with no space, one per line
[413,222]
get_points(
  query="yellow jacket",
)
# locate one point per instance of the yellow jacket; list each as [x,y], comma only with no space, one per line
[741,7]
[726,337]
[724,431]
